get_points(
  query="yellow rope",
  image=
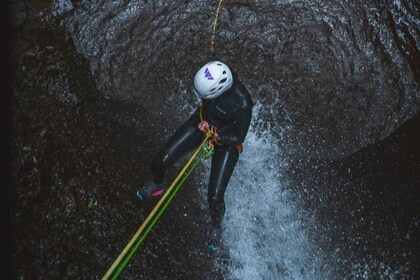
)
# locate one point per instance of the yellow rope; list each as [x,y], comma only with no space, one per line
[140,230]
[213,36]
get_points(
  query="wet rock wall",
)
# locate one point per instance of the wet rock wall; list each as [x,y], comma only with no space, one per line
[333,76]
[77,160]
[367,205]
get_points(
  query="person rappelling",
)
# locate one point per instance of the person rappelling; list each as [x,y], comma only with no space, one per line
[226,109]
[217,128]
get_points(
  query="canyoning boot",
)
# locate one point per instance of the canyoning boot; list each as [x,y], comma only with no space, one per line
[214,238]
[150,191]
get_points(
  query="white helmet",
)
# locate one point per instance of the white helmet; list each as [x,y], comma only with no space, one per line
[212,80]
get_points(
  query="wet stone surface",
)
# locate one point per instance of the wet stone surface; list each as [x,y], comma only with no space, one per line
[332,76]
[76,170]
[99,85]
[367,206]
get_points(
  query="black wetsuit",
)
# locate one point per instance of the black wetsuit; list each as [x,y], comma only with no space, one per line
[231,114]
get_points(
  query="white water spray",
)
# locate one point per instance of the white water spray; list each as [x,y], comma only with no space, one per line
[264,229]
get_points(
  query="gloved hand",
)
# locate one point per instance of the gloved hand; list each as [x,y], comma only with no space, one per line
[203,126]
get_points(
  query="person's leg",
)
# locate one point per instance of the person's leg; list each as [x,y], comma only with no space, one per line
[185,139]
[223,163]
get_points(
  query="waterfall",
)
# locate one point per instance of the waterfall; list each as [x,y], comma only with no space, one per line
[264,228]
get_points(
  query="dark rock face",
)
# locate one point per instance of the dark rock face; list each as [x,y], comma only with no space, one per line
[77,160]
[18,13]
[333,77]
[93,98]
[367,205]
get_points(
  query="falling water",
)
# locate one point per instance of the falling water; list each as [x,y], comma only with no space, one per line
[265,229]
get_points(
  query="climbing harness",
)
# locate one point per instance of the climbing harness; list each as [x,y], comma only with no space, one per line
[213,36]
[239,147]
[206,147]
[212,130]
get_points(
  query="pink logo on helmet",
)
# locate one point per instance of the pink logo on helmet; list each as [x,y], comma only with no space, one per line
[208,75]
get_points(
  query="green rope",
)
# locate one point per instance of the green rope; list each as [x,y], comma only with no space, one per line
[206,153]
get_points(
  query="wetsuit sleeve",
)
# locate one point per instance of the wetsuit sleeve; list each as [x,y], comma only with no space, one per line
[235,133]
[194,119]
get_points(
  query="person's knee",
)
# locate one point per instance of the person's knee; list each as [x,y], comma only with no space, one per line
[161,161]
